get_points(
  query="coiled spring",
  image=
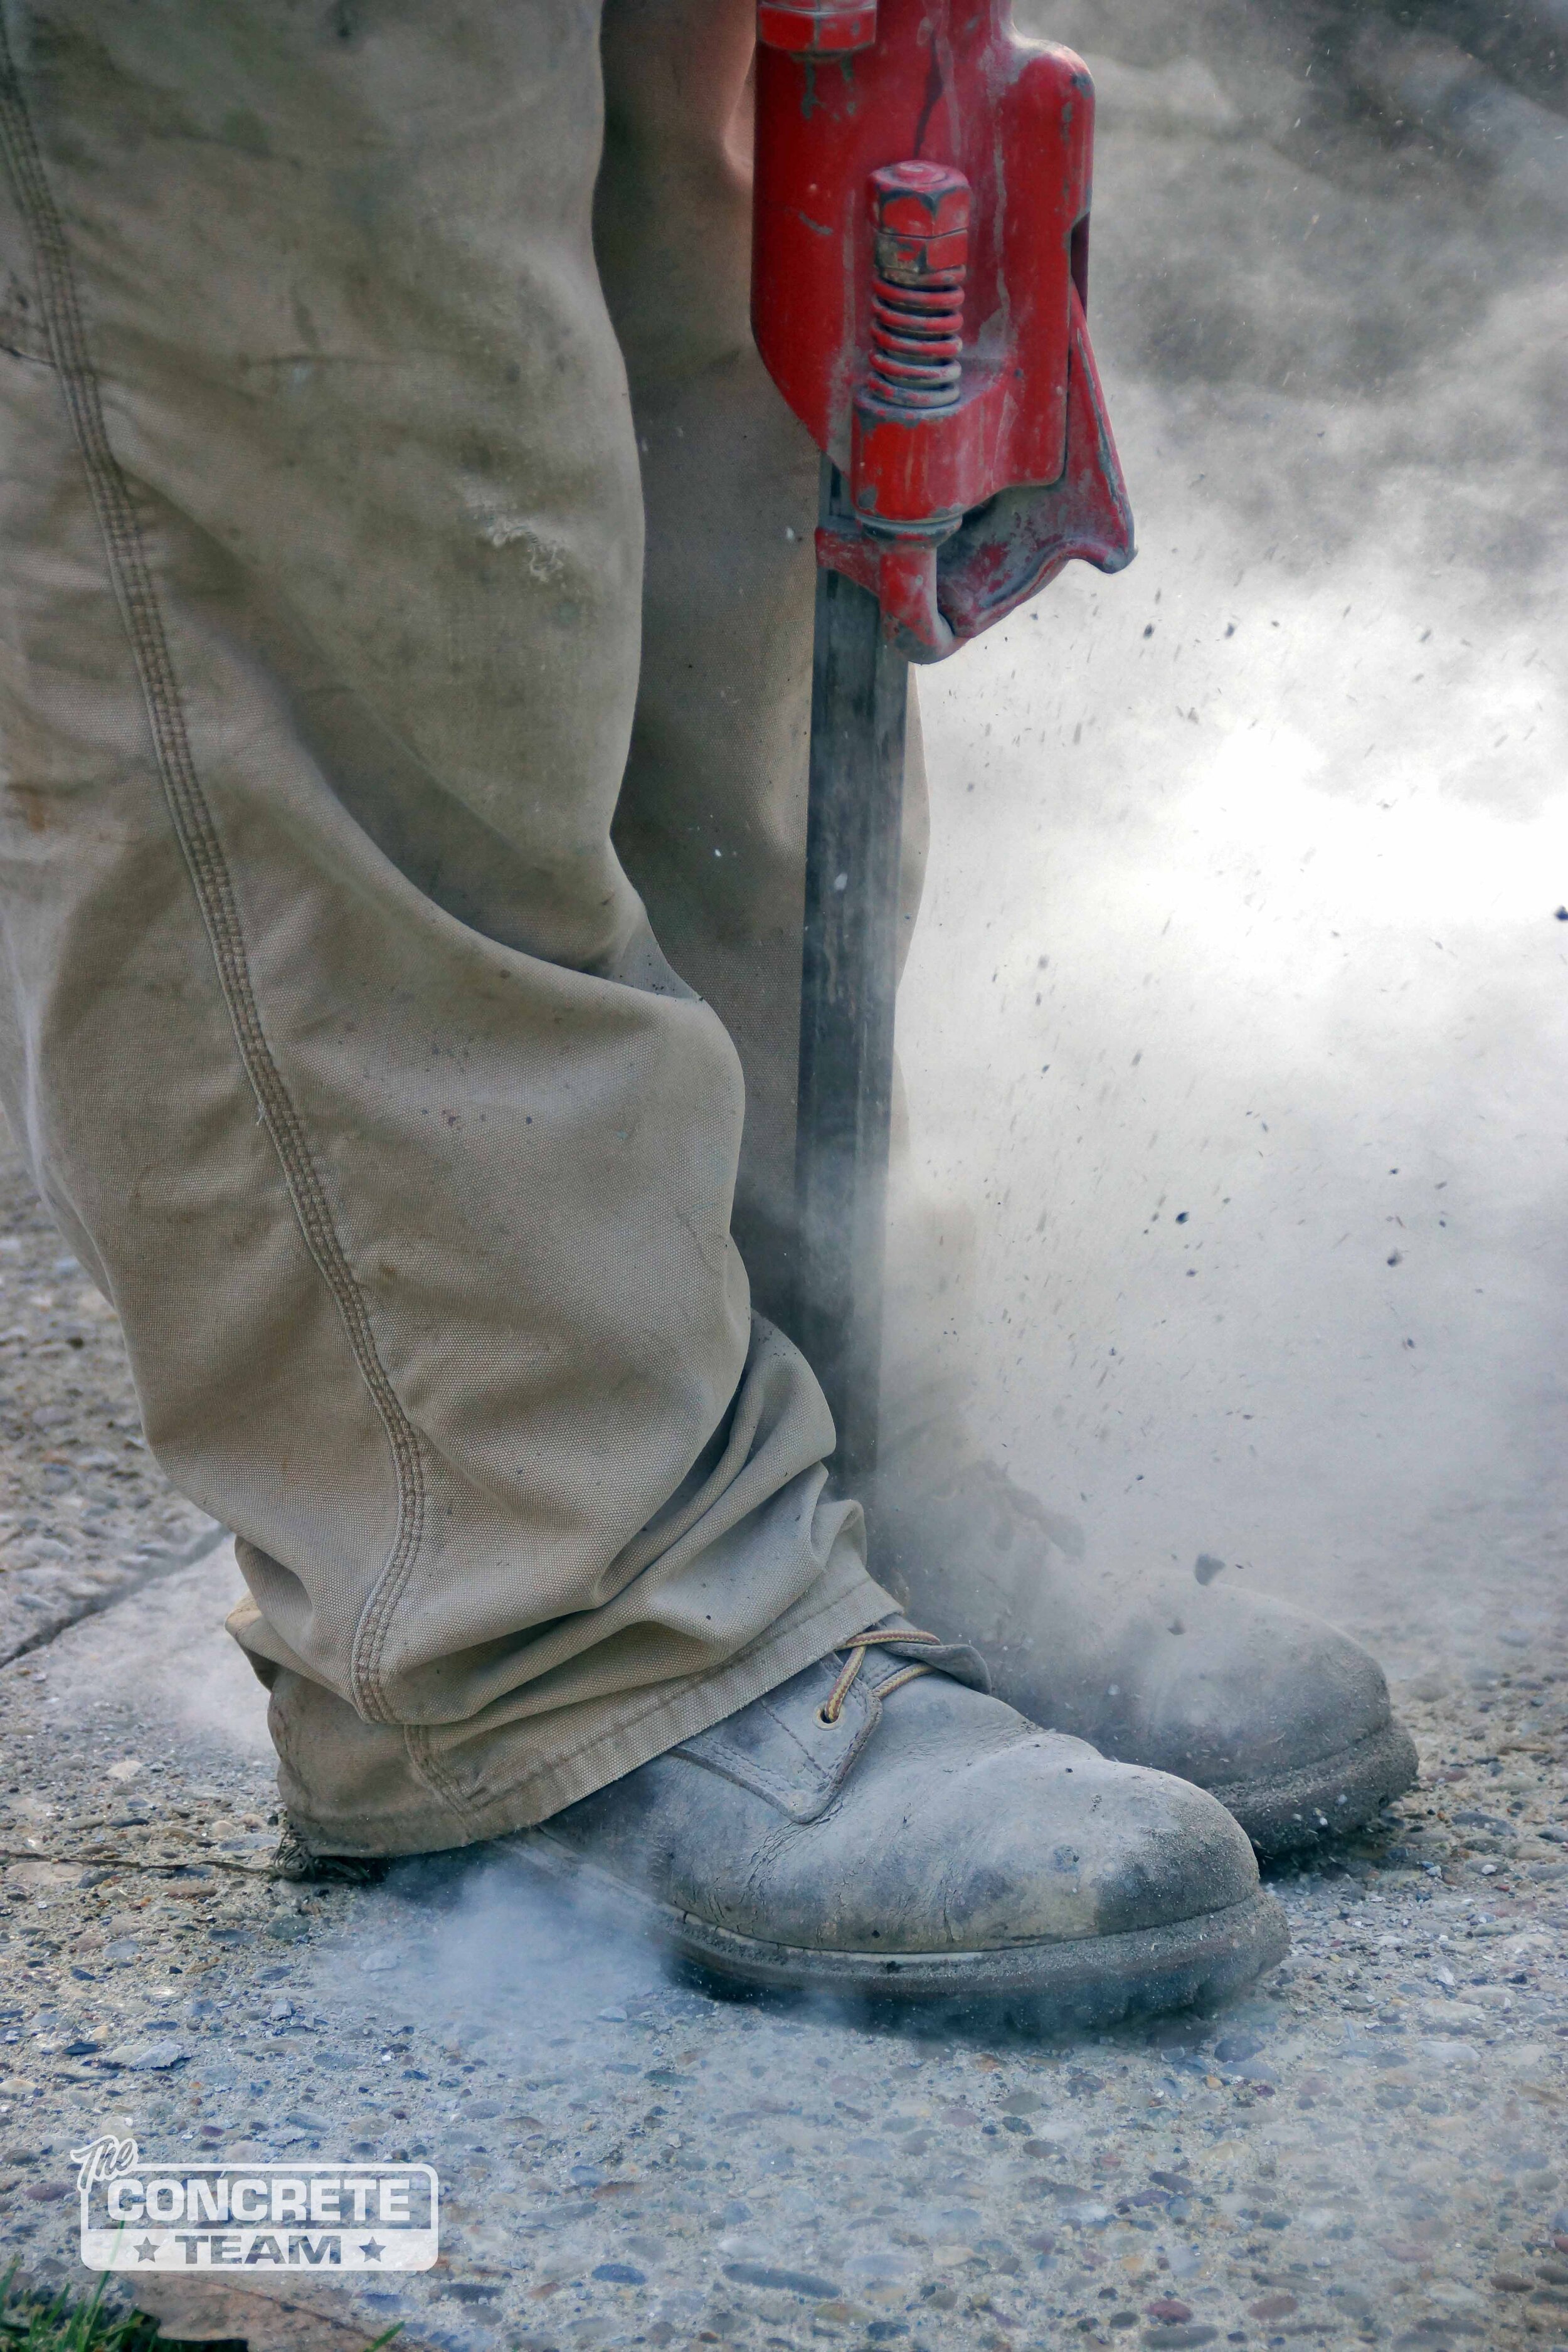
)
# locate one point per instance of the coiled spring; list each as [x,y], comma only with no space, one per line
[916,336]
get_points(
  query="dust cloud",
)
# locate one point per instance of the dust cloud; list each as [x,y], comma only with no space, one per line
[1235,1015]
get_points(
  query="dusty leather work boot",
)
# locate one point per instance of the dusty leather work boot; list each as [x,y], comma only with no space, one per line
[874,1827]
[1284,1720]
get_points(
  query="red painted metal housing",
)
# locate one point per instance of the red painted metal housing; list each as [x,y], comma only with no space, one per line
[964,510]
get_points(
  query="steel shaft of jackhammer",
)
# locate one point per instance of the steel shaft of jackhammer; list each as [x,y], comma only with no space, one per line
[849,975]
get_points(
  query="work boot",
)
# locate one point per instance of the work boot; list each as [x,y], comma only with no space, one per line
[1282,1717]
[881,1826]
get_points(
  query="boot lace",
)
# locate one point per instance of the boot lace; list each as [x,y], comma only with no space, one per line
[857,1645]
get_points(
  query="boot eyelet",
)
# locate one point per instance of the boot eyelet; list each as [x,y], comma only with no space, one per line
[826,1720]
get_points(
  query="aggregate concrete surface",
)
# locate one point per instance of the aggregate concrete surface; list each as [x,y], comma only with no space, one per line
[1369,2147]
[84,1514]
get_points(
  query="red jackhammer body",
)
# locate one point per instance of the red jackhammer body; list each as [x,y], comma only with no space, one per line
[920,281]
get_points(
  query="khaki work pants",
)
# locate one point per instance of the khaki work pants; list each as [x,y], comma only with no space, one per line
[337,1036]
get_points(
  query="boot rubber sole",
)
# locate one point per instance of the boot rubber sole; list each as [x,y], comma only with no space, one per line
[1088,1981]
[1285,1812]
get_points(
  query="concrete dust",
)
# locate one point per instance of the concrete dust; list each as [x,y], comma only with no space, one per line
[1234,1017]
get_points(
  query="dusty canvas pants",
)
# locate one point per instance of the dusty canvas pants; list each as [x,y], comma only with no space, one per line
[338,1040]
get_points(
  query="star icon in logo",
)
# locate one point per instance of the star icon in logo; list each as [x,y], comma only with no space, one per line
[146,2251]
[370,2251]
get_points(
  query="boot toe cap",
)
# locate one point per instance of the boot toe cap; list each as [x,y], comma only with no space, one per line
[1250,1688]
[1091,1848]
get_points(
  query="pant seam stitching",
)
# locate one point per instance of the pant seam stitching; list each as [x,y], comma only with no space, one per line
[426,1766]
[201,846]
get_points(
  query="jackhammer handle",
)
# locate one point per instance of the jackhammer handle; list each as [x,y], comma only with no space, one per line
[848,973]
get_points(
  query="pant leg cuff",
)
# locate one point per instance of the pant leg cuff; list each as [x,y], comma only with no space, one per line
[370,1789]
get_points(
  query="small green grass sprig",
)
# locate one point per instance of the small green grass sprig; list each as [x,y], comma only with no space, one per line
[69,2323]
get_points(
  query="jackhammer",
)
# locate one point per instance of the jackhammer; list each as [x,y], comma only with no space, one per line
[919,288]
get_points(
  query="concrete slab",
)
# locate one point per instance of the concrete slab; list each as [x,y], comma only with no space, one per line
[85,1514]
[1362,2144]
